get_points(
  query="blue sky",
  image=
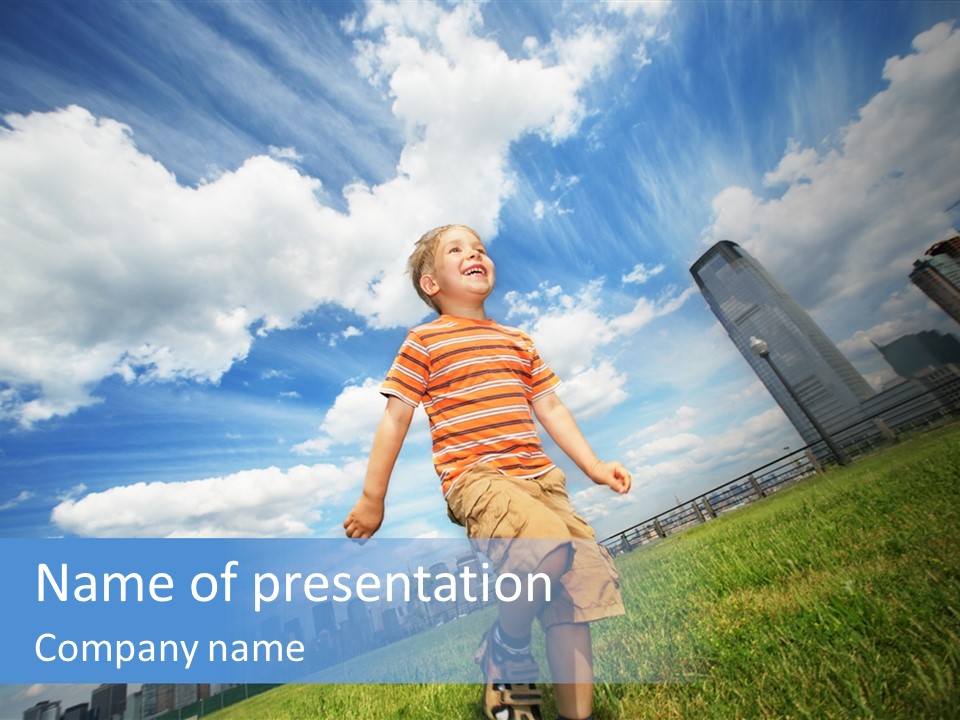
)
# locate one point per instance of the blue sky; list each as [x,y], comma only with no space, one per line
[207,207]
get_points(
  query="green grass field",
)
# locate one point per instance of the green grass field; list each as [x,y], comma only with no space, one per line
[836,598]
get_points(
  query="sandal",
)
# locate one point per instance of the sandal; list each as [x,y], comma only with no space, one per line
[518,699]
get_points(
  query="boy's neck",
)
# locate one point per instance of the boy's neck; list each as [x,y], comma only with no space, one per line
[469,312]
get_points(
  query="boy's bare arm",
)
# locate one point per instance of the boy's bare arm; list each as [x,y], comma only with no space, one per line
[559,423]
[367,514]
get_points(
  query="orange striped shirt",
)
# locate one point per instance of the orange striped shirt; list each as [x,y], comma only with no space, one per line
[476,380]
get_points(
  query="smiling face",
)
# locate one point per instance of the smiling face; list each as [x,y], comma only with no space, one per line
[463,274]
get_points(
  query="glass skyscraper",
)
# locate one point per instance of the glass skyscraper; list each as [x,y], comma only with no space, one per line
[938,275]
[750,303]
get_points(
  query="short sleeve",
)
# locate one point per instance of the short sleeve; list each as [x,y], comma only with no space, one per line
[407,378]
[543,381]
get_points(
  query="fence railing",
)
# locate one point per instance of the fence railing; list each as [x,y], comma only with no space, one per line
[917,413]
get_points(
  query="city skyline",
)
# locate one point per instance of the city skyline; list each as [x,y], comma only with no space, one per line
[207,207]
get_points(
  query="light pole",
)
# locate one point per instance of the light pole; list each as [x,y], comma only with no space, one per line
[759,347]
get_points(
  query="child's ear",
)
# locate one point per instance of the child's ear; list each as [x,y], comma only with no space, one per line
[429,285]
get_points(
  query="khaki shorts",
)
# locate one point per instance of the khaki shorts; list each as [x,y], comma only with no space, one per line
[493,506]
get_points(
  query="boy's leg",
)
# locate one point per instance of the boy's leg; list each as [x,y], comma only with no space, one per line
[516,618]
[570,654]
[540,509]
[507,664]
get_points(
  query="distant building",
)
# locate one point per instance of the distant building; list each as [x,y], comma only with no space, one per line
[916,354]
[158,698]
[926,398]
[188,693]
[108,702]
[76,712]
[324,619]
[748,302]
[271,628]
[43,710]
[938,275]
[359,627]
[391,624]
[293,630]
[470,565]
[134,709]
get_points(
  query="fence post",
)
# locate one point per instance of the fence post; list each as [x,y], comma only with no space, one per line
[812,459]
[709,507]
[696,509]
[659,528]
[756,486]
[884,429]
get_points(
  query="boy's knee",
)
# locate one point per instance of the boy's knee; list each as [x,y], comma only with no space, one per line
[557,562]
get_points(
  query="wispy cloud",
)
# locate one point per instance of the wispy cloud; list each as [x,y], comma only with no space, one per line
[21,498]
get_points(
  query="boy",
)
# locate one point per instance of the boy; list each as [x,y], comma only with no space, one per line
[478,382]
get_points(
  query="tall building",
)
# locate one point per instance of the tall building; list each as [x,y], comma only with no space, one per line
[75,712]
[750,303]
[134,709]
[108,702]
[938,275]
[157,698]
[323,619]
[293,630]
[43,710]
[185,694]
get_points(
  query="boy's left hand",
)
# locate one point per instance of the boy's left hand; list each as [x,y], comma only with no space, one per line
[612,474]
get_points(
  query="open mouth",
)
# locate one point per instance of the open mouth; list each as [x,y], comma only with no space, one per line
[475,270]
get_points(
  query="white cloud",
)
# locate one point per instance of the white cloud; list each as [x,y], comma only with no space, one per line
[273,374]
[595,390]
[570,331]
[285,153]
[796,165]
[672,454]
[266,502]
[649,8]
[683,419]
[352,418]
[641,273]
[109,266]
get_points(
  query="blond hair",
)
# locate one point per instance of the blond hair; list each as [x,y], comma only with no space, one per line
[424,255]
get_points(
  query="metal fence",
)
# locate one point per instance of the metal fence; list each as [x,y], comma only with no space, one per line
[212,704]
[918,412]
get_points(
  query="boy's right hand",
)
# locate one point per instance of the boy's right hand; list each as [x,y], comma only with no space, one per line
[365,518]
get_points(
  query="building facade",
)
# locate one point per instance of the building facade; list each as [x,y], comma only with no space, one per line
[750,303]
[937,274]
[108,702]
[44,710]
[75,712]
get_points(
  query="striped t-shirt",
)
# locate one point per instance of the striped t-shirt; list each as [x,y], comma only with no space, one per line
[476,380]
